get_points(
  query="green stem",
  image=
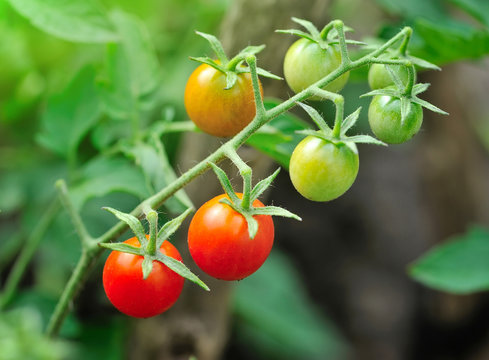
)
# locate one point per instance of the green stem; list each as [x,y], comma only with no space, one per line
[246,173]
[260,108]
[92,252]
[338,25]
[405,42]
[339,102]
[411,79]
[152,217]
[79,276]
[82,232]
[27,253]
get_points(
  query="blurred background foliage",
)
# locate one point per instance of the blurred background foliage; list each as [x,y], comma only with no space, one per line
[76,105]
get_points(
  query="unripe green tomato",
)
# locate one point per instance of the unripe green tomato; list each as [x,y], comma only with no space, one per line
[384,117]
[379,77]
[305,63]
[321,170]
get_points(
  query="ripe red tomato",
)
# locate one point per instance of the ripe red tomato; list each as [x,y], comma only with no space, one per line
[219,242]
[134,296]
[214,109]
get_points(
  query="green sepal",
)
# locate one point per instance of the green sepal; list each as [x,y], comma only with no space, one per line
[299,33]
[210,62]
[419,88]
[250,50]
[397,80]
[147,266]
[349,121]
[216,46]
[252,223]
[122,247]
[388,91]
[275,211]
[428,106]
[364,139]
[133,223]
[317,118]
[262,185]
[170,227]
[231,78]
[422,63]
[225,183]
[180,269]
[309,26]
[405,108]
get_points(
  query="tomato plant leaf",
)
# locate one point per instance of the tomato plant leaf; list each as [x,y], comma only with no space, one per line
[279,138]
[279,326]
[133,222]
[72,113]
[103,175]
[459,266]
[72,20]
[170,227]
[180,269]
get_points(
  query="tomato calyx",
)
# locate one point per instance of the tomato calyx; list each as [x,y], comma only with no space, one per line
[327,134]
[231,67]
[400,92]
[150,245]
[243,203]
[326,37]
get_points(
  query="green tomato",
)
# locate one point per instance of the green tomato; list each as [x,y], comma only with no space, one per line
[379,77]
[321,170]
[305,63]
[384,117]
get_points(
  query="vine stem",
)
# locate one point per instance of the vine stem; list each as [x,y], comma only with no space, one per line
[28,251]
[92,251]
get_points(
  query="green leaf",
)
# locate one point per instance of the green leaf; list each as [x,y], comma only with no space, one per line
[170,227]
[133,222]
[72,20]
[479,9]
[153,160]
[459,266]
[122,247]
[180,269]
[275,316]
[279,138]
[103,175]
[71,114]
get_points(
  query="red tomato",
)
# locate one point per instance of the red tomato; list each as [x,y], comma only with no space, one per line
[219,242]
[130,293]
[214,109]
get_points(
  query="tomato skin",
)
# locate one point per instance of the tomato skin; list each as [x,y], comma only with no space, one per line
[384,117]
[305,63]
[321,170]
[379,77]
[130,293]
[219,242]
[214,109]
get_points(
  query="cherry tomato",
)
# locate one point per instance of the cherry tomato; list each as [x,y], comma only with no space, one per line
[219,242]
[379,77]
[384,117]
[305,63]
[214,109]
[321,170]
[130,293]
